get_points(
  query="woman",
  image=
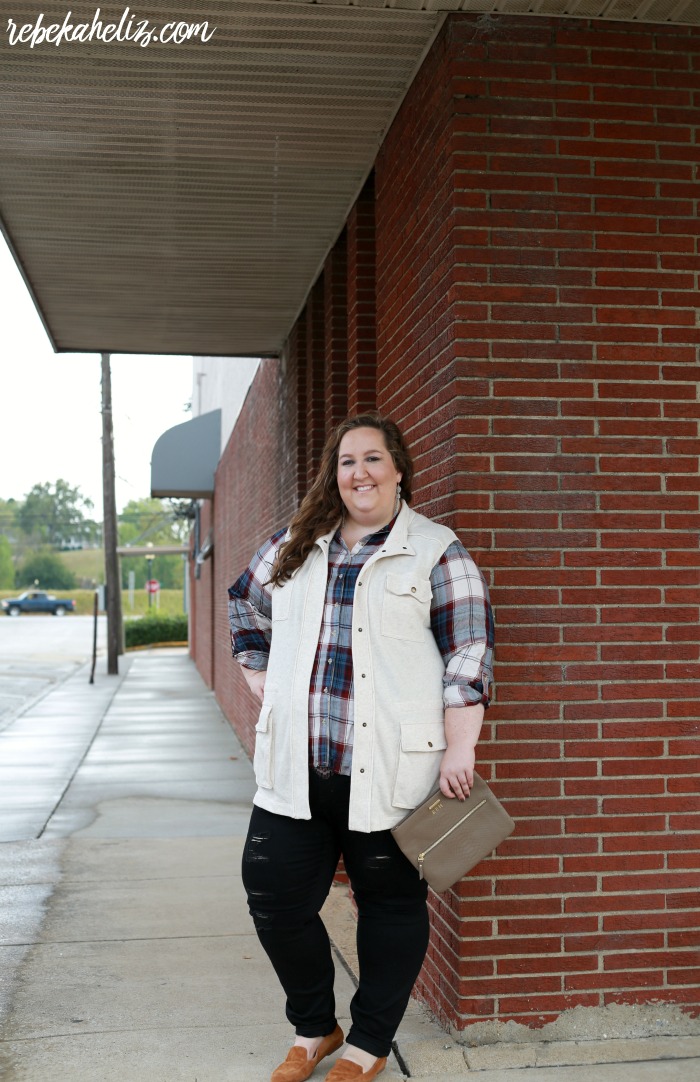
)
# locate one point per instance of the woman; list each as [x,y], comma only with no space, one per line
[365,630]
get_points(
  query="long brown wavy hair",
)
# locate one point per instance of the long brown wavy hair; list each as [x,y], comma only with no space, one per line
[322,507]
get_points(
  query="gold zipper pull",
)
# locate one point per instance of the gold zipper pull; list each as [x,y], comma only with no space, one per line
[421,858]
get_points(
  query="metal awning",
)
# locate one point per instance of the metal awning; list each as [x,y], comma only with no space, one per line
[182,198]
[185,458]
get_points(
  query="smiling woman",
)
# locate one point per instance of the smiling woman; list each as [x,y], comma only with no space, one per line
[366,633]
[368,481]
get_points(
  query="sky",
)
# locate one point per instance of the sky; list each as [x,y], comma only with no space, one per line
[50,406]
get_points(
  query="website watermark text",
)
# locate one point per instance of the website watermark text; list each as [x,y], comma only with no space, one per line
[129,28]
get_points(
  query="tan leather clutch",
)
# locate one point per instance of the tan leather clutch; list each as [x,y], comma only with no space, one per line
[444,839]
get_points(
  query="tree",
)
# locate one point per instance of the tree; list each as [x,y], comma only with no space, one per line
[48,570]
[8,517]
[156,521]
[7,568]
[54,514]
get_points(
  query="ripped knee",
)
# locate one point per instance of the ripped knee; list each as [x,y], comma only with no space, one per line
[262,918]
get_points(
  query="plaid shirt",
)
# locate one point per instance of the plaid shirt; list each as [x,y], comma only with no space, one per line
[461,623]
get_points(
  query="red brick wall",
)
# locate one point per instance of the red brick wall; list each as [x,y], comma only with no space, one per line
[537,338]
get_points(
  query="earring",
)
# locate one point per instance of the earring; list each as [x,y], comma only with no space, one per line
[397,503]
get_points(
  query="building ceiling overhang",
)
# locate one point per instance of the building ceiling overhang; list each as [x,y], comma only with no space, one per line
[182,198]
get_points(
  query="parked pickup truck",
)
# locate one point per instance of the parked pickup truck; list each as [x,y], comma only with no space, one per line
[37,601]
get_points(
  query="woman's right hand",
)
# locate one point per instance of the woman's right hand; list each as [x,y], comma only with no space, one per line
[255,679]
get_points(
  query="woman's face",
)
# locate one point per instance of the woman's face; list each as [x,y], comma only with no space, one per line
[367,477]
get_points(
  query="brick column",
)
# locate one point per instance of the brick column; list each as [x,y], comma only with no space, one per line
[295,391]
[537,338]
[314,422]
[335,278]
[362,306]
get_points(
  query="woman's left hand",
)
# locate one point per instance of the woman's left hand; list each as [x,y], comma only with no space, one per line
[462,728]
[457,771]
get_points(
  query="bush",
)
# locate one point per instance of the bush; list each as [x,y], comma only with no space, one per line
[155,629]
[48,570]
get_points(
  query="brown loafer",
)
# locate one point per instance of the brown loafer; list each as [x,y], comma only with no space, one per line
[298,1066]
[344,1070]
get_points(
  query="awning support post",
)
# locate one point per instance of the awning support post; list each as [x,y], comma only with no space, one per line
[109,527]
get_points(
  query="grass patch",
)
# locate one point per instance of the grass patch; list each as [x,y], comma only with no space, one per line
[88,565]
[165,603]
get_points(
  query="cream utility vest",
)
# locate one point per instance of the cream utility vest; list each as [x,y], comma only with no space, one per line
[399,734]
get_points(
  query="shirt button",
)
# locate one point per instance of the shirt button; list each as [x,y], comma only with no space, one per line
[364,724]
[363,676]
[413,589]
[359,629]
[362,770]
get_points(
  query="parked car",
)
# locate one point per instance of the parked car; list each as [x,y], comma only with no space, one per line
[37,601]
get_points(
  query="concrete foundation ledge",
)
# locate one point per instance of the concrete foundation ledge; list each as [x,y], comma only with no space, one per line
[426,1059]
[573,1053]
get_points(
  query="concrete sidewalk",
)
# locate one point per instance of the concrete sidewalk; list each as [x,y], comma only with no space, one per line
[126,950]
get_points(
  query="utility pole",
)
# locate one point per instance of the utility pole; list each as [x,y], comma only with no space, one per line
[109,526]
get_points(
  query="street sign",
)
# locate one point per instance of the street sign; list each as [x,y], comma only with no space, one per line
[152,586]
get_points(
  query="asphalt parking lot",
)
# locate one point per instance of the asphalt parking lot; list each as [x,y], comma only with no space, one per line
[37,653]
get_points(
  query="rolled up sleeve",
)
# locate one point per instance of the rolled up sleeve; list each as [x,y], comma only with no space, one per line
[250,607]
[462,624]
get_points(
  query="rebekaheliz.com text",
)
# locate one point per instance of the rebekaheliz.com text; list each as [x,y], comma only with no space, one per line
[129,28]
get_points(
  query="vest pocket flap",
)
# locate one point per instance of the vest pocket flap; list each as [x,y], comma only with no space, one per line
[423,736]
[409,586]
[264,719]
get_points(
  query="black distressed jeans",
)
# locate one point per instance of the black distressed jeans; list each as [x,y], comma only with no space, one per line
[288,869]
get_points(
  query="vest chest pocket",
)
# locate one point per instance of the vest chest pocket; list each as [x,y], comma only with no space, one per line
[262,756]
[406,607]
